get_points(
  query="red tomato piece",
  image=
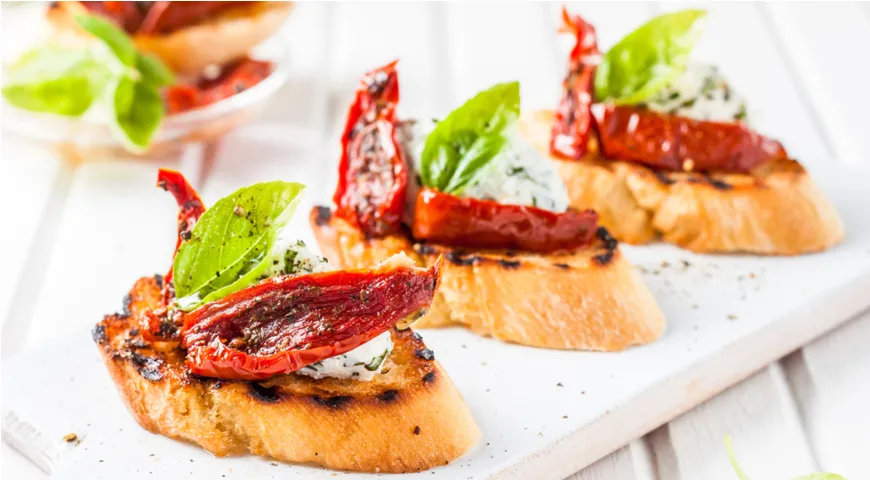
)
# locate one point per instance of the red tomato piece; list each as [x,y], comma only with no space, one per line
[572,121]
[468,222]
[286,323]
[672,142]
[372,175]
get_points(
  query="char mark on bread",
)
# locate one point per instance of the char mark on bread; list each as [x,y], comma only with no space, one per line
[264,394]
[610,245]
[148,367]
[388,396]
[323,215]
[98,333]
[125,306]
[336,402]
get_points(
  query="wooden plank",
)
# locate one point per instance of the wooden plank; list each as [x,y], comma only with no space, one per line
[33,186]
[289,113]
[829,377]
[757,413]
[516,44]
[821,39]
[617,465]
[116,227]
[22,468]
[404,31]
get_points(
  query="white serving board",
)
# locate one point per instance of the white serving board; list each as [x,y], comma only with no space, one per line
[544,414]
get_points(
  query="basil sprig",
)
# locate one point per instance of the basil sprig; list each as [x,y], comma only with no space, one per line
[229,247]
[53,79]
[462,144]
[743,476]
[647,59]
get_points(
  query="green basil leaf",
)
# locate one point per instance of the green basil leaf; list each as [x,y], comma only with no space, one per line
[743,476]
[736,466]
[137,110]
[55,80]
[462,144]
[229,247]
[820,476]
[647,59]
[481,151]
[153,71]
[115,38]
[123,91]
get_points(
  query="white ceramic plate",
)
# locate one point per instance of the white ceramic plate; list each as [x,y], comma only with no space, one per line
[92,138]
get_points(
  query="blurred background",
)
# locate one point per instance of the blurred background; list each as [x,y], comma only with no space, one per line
[78,227]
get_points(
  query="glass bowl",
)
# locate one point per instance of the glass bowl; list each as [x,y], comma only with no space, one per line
[88,138]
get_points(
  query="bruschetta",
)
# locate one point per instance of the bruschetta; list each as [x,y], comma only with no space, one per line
[519,265]
[252,343]
[663,148]
[187,36]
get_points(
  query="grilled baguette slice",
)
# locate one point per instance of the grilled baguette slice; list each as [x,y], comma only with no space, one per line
[409,418]
[221,38]
[589,299]
[774,210]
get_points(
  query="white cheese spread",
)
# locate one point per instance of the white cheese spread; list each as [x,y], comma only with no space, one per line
[518,175]
[292,257]
[361,363]
[701,93]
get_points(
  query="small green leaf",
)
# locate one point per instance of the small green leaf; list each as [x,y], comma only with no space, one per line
[153,71]
[137,110]
[462,144]
[115,38]
[481,151]
[736,466]
[743,476]
[124,89]
[820,476]
[647,59]
[55,80]
[229,246]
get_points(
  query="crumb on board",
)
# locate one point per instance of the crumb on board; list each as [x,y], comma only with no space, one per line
[70,437]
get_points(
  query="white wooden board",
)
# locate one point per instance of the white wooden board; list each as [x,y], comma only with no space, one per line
[728,316]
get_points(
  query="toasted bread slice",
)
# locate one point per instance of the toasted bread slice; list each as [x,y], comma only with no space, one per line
[409,418]
[226,36]
[775,210]
[588,299]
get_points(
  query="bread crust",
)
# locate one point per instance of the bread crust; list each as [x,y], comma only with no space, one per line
[408,419]
[775,210]
[226,36]
[588,299]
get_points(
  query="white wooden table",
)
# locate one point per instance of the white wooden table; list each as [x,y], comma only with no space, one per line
[803,67]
